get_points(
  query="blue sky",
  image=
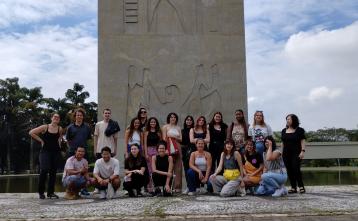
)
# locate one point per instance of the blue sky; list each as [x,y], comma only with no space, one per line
[302,56]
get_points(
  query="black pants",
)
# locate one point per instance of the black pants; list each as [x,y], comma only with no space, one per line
[137,182]
[293,166]
[48,165]
[215,150]
[186,151]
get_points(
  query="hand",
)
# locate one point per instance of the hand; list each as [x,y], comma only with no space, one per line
[269,143]
[213,176]
[242,184]
[204,180]
[167,188]
[140,172]
[42,143]
[201,175]
[301,156]
[147,157]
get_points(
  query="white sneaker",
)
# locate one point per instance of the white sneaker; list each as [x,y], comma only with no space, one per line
[186,191]
[102,194]
[284,191]
[242,191]
[191,194]
[279,192]
[96,191]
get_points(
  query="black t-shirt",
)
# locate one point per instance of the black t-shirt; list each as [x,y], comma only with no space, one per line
[255,159]
[292,141]
[135,163]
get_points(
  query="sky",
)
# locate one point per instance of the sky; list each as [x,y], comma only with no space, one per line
[301,55]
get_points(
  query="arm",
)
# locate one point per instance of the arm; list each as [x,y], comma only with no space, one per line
[192,163]
[239,161]
[207,136]
[34,133]
[303,149]
[164,133]
[179,139]
[220,166]
[126,139]
[95,141]
[169,174]
[208,167]
[145,147]
[271,155]
[115,140]
[258,170]
[191,136]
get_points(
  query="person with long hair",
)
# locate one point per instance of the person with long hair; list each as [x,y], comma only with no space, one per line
[238,131]
[171,134]
[231,181]
[133,135]
[217,130]
[142,115]
[49,136]
[162,167]
[253,165]
[200,131]
[275,175]
[200,167]
[293,144]
[186,147]
[134,170]
[152,136]
[259,131]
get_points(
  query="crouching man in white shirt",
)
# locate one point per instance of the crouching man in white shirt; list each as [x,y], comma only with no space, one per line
[106,173]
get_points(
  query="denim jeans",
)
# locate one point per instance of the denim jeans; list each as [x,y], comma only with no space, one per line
[270,182]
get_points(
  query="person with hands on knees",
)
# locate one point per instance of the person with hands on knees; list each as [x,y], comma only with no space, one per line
[75,175]
[134,170]
[231,181]
[274,177]
[106,173]
[200,167]
[162,166]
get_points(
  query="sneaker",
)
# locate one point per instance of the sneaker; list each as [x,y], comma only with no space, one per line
[191,194]
[84,192]
[96,191]
[139,193]
[186,191]
[242,191]
[278,192]
[203,190]
[102,194]
[284,191]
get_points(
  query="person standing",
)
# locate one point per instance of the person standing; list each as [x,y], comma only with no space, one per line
[106,134]
[133,135]
[293,144]
[217,130]
[152,136]
[259,131]
[142,115]
[49,135]
[200,131]
[186,147]
[172,135]
[238,131]
[78,133]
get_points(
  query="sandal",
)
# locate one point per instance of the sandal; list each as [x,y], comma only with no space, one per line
[302,190]
[292,190]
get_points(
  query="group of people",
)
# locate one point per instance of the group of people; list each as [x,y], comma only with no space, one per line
[223,159]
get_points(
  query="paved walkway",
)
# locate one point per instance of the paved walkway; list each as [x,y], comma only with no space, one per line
[319,203]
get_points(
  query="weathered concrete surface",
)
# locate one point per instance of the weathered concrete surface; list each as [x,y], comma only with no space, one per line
[328,203]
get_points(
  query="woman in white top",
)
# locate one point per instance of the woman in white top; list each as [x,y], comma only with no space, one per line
[259,131]
[172,135]
[200,167]
[133,135]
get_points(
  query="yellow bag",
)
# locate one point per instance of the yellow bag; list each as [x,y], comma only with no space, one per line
[231,174]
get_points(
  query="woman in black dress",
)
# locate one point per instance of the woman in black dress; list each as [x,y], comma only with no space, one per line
[293,143]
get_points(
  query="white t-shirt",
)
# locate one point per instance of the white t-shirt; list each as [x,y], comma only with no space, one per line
[259,133]
[73,164]
[102,139]
[106,169]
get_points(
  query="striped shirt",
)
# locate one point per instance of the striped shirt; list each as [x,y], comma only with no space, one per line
[275,166]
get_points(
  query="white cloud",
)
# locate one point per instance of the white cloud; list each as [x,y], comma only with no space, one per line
[323,92]
[53,58]
[29,11]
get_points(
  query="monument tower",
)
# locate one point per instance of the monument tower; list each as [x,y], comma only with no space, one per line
[183,56]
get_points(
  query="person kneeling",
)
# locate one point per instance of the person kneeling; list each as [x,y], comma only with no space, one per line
[230,182]
[106,172]
[75,175]
[200,167]
[134,169]
[162,167]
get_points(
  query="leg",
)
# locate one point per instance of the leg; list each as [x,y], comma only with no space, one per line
[230,188]
[185,158]
[218,182]
[54,156]
[288,160]
[193,179]
[178,171]
[44,161]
